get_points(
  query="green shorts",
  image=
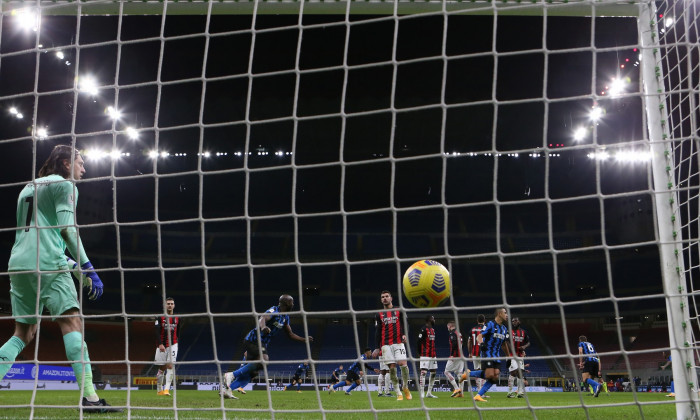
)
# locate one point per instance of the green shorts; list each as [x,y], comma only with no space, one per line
[58,295]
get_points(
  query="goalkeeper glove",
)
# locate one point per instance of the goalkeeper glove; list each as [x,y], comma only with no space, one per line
[91,280]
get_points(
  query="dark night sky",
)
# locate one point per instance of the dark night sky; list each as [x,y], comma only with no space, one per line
[359,130]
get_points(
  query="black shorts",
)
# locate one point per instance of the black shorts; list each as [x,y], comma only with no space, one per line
[333,380]
[352,376]
[490,364]
[254,353]
[296,378]
[591,368]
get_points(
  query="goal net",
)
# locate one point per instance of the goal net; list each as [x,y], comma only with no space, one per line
[544,151]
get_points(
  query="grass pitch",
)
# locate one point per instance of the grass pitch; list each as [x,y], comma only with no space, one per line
[359,405]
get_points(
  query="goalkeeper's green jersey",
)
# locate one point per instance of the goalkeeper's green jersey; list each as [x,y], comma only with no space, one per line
[54,195]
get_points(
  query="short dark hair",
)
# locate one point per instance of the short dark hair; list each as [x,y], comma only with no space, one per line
[169,298]
[366,350]
[54,163]
[582,338]
[481,318]
[385,291]
[427,318]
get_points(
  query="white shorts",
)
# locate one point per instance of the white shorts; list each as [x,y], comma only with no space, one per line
[168,356]
[516,364]
[428,363]
[476,361]
[454,365]
[393,353]
[382,365]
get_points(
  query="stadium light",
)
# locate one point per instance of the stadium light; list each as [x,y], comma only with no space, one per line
[617,87]
[13,110]
[27,19]
[93,154]
[596,113]
[632,156]
[88,84]
[132,133]
[153,154]
[164,154]
[206,154]
[42,133]
[19,115]
[113,113]
[115,154]
[60,55]
[580,134]
[669,21]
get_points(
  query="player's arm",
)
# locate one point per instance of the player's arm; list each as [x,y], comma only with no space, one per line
[470,345]
[159,338]
[377,334]
[526,342]
[290,334]
[580,356]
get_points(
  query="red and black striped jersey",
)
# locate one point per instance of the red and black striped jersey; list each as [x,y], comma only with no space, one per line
[455,344]
[426,342]
[164,325]
[389,327]
[520,338]
[476,347]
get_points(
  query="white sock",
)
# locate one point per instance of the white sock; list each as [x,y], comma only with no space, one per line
[380,383]
[168,379]
[422,381]
[510,382]
[431,381]
[387,382]
[521,386]
[159,380]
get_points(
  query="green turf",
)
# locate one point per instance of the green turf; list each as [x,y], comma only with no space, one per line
[257,405]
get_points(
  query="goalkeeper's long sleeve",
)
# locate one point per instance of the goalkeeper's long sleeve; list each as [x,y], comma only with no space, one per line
[71,237]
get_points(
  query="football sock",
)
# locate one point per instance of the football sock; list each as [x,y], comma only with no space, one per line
[298,386]
[168,379]
[594,385]
[339,385]
[76,349]
[353,386]
[394,379]
[485,388]
[380,383]
[159,380]
[387,382]
[510,382]
[476,374]
[9,352]
[422,380]
[246,370]
[431,381]
[521,385]
[404,375]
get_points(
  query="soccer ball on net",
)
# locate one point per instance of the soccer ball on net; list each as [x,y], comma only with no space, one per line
[426,284]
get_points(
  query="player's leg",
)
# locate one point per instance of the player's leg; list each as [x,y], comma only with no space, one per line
[431,380]
[399,352]
[491,374]
[23,299]
[423,373]
[380,383]
[354,385]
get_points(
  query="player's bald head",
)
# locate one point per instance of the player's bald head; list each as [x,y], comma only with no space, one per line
[286,301]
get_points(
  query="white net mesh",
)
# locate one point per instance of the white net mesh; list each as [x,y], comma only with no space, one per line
[234,154]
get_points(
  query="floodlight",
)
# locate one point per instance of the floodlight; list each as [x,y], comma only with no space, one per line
[580,133]
[88,84]
[27,19]
[617,86]
[60,55]
[19,115]
[13,111]
[94,154]
[596,113]
[113,113]
[132,133]
[669,21]
[153,154]
[164,154]
[115,154]
[206,154]
[632,156]
[42,133]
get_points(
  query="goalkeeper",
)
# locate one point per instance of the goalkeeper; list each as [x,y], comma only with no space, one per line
[45,228]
